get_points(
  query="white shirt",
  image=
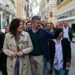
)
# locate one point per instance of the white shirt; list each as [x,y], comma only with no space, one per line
[66,34]
[58,60]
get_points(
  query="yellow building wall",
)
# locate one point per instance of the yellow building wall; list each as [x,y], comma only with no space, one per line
[53,10]
[65,5]
[19,8]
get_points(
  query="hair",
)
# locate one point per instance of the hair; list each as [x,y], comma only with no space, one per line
[28,22]
[59,24]
[50,23]
[57,32]
[14,25]
[36,17]
[24,21]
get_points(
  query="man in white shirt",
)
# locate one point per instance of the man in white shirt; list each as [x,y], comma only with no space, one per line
[67,31]
[68,35]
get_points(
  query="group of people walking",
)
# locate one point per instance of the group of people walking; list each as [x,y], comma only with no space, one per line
[36,48]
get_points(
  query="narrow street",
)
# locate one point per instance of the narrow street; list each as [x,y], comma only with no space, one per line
[46,14]
[72,68]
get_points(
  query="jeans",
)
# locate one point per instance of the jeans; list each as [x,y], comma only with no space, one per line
[66,72]
[17,66]
[46,67]
[59,72]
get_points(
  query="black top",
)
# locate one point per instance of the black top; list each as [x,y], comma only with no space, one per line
[36,43]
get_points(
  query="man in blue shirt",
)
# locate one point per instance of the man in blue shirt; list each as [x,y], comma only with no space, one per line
[39,39]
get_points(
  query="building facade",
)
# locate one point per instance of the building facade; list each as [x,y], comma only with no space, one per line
[66,11]
[34,7]
[24,8]
[48,10]
[20,8]
[7,12]
[43,9]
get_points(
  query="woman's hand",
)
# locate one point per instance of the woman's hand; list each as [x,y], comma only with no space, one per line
[20,53]
[13,55]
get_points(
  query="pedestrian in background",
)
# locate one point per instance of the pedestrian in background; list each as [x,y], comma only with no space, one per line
[67,35]
[17,46]
[50,28]
[58,25]
[3,57]
[67,31]
[28,25]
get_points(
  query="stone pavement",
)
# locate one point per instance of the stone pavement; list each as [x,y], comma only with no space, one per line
[0,73]
[72,68]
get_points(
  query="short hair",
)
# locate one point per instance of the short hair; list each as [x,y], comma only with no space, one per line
[36,17]
[50,23]
[28,22]
[14,25]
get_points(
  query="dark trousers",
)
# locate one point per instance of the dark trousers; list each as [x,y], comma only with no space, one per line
[3,69]
[66,72]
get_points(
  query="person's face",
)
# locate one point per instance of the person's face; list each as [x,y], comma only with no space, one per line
[59,25]
[28,25]
[65,23]
[49,26]
[20,28]
[36,23]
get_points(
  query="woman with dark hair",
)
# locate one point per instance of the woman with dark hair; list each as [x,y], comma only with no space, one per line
[60,53]
[17,46]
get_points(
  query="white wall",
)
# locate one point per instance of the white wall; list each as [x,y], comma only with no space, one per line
[1,1]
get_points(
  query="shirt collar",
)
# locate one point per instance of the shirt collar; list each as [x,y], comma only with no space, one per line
[22,34]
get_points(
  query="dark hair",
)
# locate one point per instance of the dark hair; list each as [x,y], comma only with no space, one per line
[28,22]
[36,17]
[57,32]
[14,25]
